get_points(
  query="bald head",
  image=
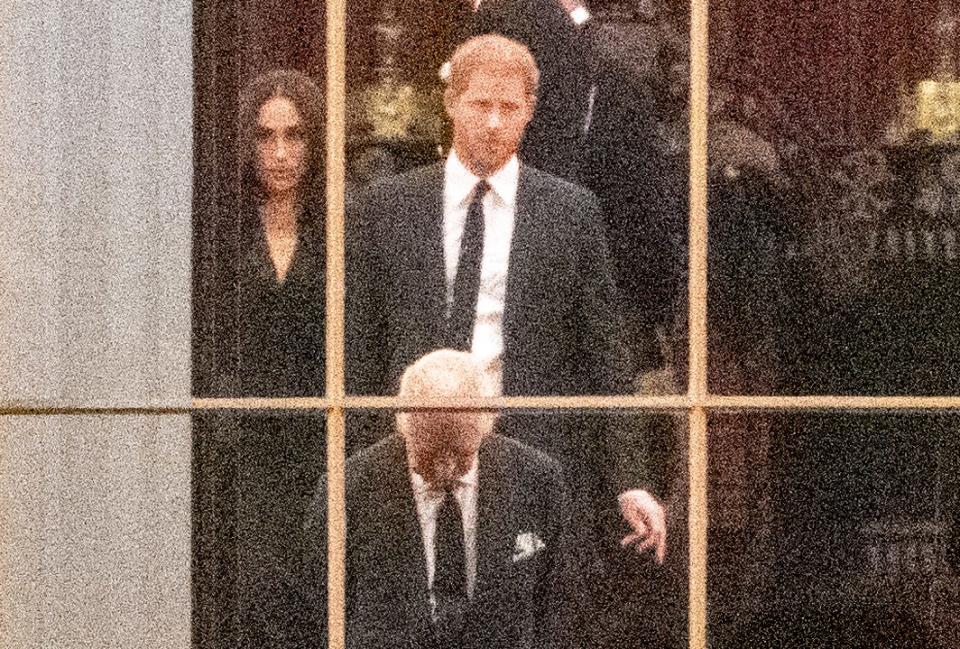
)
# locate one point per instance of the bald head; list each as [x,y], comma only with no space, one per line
[441,444]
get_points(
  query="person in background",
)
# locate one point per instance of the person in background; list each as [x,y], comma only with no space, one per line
[282,267]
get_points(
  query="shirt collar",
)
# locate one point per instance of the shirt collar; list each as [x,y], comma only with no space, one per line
[460,181]
[468,479]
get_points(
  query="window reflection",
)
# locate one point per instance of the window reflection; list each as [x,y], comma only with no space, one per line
[833,208]
[834,530]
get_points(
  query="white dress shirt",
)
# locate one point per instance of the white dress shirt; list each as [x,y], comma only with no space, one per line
[428,502]
[499,206]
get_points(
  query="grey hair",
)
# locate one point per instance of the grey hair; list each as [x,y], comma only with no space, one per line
[445,373]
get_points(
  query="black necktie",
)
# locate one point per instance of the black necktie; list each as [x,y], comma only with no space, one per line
[466,284]
[449,577]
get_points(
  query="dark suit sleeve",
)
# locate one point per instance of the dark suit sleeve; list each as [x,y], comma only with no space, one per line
[606,355]
[365,324]
[601,326]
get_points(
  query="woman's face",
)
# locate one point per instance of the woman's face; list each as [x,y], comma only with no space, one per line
[281,147]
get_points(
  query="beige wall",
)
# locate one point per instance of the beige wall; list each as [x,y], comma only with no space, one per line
[95,220]
[95,201]
[95,548]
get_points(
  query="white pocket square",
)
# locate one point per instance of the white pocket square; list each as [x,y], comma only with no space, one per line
[526,545]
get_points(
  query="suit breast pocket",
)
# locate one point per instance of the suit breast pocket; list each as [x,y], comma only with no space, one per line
[516,569]
[513,590]
[529,566]
[528,570]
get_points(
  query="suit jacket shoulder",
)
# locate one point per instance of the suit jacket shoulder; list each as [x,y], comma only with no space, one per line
[521,460]
[557,207]
[549,185]
[383,463]
[368,474]
[399,190]
[398,205]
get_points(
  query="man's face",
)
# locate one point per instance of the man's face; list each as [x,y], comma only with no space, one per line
[489,118]
[441,445]
[281,147]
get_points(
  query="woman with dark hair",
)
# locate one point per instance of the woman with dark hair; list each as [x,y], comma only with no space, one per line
[281,347]
[281,279]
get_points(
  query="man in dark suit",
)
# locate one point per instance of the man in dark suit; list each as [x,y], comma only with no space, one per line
[485,253]
[456,537]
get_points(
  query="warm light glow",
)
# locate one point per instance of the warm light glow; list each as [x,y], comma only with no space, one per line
[391,109]
[938,107]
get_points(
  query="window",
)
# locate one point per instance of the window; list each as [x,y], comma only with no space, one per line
[785,247]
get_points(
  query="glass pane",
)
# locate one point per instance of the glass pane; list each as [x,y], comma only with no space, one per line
[96,531]
[254,475]
[607,596]
[834,198]
[94,219]
[572,296]
[259,142]
[834,530]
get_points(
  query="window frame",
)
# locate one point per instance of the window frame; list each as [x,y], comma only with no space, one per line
[697,402]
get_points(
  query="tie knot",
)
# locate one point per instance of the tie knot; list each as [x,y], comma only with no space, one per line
[446,489]
[481,189]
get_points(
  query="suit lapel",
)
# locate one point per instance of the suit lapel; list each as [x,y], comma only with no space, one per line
[412,245]
[518,263]
[521,267]
[401,533]
[494,523]
[429,209]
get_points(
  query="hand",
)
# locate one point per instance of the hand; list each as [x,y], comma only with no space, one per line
[648,520]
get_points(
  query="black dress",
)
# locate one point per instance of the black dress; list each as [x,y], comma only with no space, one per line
[281,324]
[280,454]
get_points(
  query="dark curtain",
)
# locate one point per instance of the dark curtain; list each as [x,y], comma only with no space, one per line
[834,67]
